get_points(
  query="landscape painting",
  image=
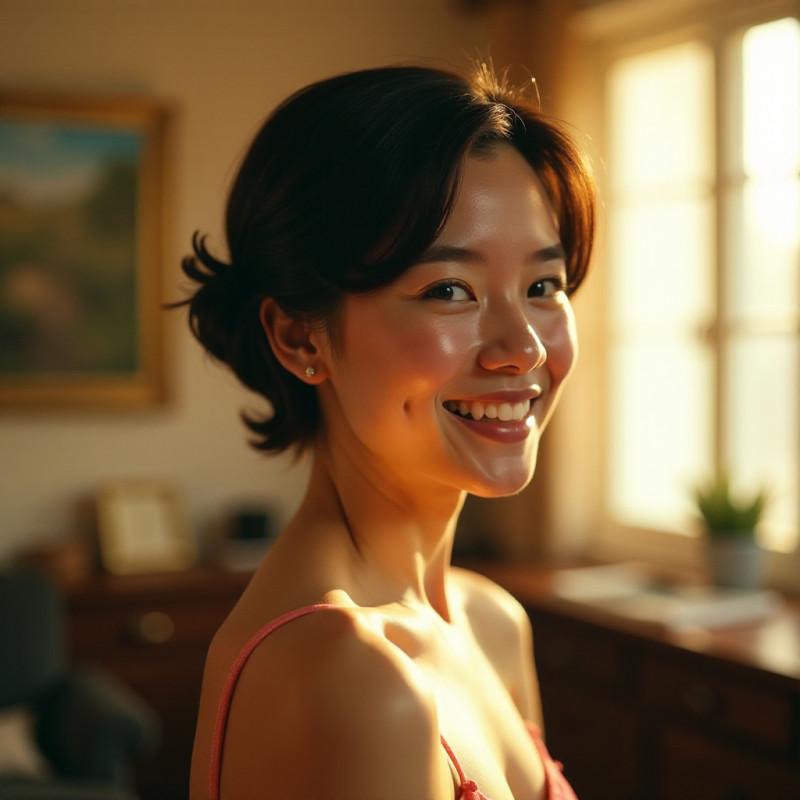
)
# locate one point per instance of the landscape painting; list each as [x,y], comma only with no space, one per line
[80,207]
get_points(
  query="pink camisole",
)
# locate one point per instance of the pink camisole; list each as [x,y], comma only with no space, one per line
[556,787]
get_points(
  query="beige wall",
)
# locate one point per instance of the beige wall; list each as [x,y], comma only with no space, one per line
[222,64]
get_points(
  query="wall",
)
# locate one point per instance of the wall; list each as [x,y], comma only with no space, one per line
[222,64]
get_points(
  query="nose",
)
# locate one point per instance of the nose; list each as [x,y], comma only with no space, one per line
[511,343]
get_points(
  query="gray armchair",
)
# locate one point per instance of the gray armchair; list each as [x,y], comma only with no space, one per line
[87,727]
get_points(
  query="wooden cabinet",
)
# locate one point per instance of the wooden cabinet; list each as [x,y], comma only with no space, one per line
[638,713]
[589,702]
[634,713]
[713,696]
[721,732]
[153,632]
[700,766]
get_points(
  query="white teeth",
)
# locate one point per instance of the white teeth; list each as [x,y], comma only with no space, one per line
[505,412]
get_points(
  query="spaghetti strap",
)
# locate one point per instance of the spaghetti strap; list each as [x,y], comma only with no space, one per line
[556,786]
[469,789]
[215,765]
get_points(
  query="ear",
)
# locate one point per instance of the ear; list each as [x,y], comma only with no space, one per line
[292,343]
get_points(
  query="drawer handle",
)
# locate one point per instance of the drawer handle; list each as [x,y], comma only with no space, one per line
[153,627]
[703,700]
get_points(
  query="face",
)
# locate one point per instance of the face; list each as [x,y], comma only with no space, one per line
[447,376]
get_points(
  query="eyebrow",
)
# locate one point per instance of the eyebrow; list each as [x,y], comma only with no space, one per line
[445,252]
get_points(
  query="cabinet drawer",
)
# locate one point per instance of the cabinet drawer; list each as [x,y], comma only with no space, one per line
[575,653]
[721,700]
[588,733]
[694,767]
[115,630]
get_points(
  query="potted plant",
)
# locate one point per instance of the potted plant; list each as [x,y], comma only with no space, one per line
[735,558]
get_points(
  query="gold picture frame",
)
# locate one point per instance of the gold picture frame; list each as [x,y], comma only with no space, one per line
[142,528]
[81,240]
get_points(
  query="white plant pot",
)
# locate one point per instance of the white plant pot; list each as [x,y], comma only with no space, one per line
[736,561]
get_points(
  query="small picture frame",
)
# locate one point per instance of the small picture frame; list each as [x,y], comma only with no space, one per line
[142,528]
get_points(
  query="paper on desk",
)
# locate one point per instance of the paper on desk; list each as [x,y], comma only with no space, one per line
[629,591]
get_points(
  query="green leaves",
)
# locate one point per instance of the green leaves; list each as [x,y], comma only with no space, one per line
[724,514]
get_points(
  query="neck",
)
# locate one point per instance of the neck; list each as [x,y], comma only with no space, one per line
[394,542]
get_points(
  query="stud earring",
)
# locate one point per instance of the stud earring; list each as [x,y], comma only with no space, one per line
[311,372]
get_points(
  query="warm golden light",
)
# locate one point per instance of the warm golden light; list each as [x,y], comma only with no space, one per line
[662,290]
[705,277]
[771,99]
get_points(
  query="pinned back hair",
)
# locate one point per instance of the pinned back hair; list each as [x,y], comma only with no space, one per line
[344,187]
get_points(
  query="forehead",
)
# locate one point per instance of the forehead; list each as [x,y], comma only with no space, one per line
[499,194]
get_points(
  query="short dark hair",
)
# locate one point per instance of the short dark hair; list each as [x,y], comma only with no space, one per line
[343,188]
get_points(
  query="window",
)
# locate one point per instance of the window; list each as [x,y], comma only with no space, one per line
[703,147]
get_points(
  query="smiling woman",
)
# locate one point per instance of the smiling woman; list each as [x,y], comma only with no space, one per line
[403,246]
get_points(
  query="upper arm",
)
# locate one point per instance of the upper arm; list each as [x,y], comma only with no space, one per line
[323,709]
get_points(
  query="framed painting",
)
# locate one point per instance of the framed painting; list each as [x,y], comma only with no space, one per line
[81,206]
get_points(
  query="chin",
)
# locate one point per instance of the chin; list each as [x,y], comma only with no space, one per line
[495,492]
[504,483]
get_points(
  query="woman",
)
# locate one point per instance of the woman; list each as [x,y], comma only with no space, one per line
[403,244]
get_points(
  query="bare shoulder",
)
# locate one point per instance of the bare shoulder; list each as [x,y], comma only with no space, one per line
[489,606]
[502,629]
[327,707]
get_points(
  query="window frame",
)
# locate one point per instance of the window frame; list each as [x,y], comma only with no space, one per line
[604,33]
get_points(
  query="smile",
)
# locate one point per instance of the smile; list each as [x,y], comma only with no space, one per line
[503,412]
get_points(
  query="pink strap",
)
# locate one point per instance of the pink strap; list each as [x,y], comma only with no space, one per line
[556,787]
[469,789]
[215,766]
[556,783]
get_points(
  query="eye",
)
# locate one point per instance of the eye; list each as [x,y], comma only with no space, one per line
[448,291]
[547,287]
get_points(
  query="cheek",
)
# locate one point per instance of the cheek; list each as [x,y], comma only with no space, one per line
[560,339]
[437,347]
[392,372]
[416,354]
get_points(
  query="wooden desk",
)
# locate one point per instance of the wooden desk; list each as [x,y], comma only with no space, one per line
[633,712]
[153,632]
[640,712]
